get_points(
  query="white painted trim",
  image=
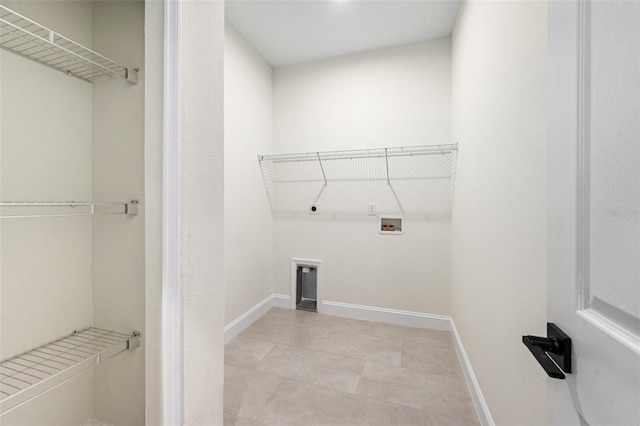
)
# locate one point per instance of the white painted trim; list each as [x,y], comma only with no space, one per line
[238,325]
[314,263]
[171,300]
[583,230]
[95,422]
[482,409]
[393,316]
[282,301]
[610,328]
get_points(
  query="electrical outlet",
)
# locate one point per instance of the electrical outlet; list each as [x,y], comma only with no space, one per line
[372,209]
[313,209]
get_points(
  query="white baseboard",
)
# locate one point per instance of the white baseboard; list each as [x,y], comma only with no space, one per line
[95,422]
[393,316]
[282,301]
[482,409]
[238,325]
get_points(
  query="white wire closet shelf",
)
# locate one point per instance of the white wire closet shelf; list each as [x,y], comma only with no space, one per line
[31,40]
[413,179]
[22,210]
[30,374]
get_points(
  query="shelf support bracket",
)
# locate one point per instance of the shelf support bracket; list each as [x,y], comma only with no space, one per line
[386,162]
[132,207]
[393,191]
[131,75]
[324,176]
[134,341]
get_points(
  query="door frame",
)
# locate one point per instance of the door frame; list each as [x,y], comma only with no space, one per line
[171,210]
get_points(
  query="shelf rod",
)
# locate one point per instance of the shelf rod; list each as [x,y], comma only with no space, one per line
[361,154]
[128,208]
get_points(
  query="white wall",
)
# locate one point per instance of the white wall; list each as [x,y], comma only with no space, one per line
[392,97]
[202,210]
[153,81]
[118,241]
[248,124]
[46,262]
[499,213]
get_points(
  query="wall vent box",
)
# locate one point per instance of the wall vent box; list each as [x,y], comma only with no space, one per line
[391,225]
[307,288]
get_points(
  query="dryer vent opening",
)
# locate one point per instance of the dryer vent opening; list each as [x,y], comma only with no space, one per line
[307,288]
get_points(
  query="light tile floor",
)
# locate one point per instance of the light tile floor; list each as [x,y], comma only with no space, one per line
[301,368]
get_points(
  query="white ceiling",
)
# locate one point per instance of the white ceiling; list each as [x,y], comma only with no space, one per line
[289,32]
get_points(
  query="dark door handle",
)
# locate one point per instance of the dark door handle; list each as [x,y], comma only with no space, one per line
[553,353]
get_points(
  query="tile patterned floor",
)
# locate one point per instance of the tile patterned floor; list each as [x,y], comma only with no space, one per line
[301,368]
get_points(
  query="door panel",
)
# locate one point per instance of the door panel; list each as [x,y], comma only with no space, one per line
[594,192]
[615,152]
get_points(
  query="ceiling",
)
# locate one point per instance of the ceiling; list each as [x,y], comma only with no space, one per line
[291,32]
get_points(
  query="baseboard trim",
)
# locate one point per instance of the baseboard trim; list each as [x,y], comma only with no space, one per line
[393,316]
[95,422]
[282,301]
[238,325]
[482,409]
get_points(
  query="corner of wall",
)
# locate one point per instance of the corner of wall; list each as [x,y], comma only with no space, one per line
[499,216]
[249,238]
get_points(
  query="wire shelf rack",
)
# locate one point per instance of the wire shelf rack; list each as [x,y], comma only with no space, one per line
[30,374]
[22,210]
[414,179]
[31,40]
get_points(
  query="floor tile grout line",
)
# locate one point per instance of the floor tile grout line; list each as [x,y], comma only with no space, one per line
[414,408]
[264,357]
[360,379]
[455,370]
[365,397]
[356,393]
[314,350]
[347,356]
[411,370]
[269,399]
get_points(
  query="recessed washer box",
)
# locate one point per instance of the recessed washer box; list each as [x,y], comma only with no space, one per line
[391,225]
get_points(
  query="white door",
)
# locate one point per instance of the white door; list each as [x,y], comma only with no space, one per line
[593,220]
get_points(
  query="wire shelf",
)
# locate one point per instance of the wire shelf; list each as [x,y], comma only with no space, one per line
[30,374]
[414,179]
[31,40]
[22,210]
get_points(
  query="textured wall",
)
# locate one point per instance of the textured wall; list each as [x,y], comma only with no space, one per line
[499,213]
[202,215]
